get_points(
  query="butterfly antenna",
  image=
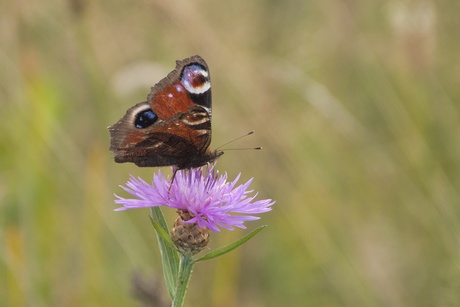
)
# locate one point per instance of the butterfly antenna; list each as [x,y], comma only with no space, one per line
[240,137]
[245,148]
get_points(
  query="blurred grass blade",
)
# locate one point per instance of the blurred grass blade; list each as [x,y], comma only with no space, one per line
[228,248]
[169,255]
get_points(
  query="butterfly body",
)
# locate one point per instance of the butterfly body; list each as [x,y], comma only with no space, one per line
[173,127]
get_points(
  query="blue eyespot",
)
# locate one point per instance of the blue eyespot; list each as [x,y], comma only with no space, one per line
[195,79]
[145,119]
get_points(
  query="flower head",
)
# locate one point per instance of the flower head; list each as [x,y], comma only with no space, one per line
[211,201]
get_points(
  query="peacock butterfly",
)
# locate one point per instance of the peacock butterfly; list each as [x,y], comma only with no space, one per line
[173,127]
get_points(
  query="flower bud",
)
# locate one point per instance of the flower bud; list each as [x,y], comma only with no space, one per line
[188,237]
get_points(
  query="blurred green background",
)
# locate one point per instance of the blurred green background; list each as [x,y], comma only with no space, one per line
[356,104]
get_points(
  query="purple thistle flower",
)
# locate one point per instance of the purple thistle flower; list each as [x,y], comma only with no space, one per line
[202,192]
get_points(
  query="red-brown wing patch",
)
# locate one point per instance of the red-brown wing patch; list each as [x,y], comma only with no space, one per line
[173,99]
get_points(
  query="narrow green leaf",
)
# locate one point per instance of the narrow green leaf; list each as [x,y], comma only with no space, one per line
[227,248]
[162,233]
[169,254]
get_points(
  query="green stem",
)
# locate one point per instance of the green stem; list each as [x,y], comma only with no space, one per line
[185,272]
